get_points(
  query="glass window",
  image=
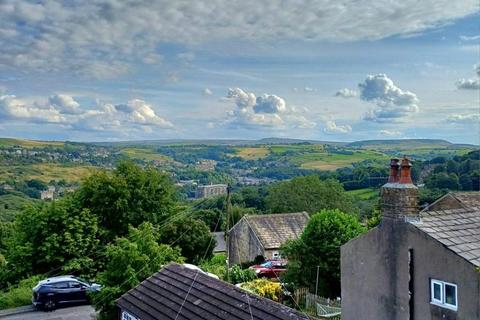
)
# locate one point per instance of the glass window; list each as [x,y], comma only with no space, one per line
[75,284]
[444,294]
[436,291]
[451,294]
[60,285]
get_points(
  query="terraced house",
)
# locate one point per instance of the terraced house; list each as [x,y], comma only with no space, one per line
[415,265]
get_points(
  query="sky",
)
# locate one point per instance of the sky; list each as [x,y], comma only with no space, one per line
[336,70]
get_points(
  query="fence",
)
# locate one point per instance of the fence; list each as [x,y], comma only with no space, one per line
[318,307]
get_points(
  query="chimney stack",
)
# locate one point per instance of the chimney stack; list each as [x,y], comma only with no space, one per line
[399,196]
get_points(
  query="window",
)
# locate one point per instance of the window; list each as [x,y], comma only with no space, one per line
[60,285]
[444,294]
[128,316]
[75,284]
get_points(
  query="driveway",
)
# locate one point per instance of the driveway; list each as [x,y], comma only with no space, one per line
[72,313]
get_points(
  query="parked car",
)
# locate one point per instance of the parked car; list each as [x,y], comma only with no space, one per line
[63,290]
[270,269]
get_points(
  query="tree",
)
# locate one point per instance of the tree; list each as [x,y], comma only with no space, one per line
[131,260]
[309,194]
[213,218]
[129,195]
[55,236]
[192,236]
[319,245]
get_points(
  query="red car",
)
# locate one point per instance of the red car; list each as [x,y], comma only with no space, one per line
[270,269]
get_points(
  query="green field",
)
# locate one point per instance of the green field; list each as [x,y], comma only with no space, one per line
[30,143]
[11,203]
[145,154]
[45,172]
[332,161]
[252,153]
[364,194]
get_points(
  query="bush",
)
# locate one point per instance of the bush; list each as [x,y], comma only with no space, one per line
[18,295]
[238,275]
[264,288]
[216,265]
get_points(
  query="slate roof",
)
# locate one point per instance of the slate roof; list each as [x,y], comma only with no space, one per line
[456,200]
[177,292]
[220,238]
[274,229]
[457,229]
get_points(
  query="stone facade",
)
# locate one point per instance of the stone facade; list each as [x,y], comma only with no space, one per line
[211,190]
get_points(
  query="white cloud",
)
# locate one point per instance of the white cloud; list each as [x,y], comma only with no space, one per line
[65,104]
[346,93]
[265,111]
[105,38]
[66,111]
[332,128]
[390,133]
[470,84]
[473,118]
[470,38]
[392,103]
[140,112]
[207,92]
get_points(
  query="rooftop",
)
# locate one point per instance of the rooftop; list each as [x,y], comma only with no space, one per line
[455,200]
[177,292]
[274,229]
[457,229]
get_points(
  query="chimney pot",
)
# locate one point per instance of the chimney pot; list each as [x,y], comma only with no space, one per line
[405,173]
[394,166]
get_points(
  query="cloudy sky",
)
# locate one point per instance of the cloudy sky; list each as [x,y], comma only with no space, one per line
[343,70]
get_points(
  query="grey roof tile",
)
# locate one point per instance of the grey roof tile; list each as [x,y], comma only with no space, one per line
[458,229]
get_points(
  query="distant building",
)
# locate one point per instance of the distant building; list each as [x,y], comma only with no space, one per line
[7,187]
[211,190]
[206,165]
[48,194]
[183,293]
[415,265]
[263,235]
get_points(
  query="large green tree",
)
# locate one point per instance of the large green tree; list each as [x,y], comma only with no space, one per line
[310,194]
[319,246]
[131,260]
[56,236]
[128,195]
[192,236]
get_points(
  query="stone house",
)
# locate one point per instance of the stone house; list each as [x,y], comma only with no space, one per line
[263,235]
[414,265]
[455,200]
[211,190]
[179,292]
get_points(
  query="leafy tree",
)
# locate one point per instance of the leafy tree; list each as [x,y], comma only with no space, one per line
[319,245]
[213,218]
[127,196]
[55,236]
[192,236]
[131,260]
[309,194]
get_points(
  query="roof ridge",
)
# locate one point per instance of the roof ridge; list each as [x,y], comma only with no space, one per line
[276,214]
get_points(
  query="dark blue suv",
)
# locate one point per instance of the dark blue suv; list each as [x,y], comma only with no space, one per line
[52,292]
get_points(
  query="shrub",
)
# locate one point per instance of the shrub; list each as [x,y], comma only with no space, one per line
[18,295]
[264,288]
[238,275]
[216,265]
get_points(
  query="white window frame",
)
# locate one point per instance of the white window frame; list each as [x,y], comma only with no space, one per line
[442,302]
[128,316]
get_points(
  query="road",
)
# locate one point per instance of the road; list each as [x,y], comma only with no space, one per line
[72,313]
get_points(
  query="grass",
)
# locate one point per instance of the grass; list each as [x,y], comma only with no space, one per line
[18,295]
[364,194]
[11,203]
[30,143]
[45,172]
[145,154]
[252,153]
[332,161]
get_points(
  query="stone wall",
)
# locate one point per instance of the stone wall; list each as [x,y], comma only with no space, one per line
[244,245]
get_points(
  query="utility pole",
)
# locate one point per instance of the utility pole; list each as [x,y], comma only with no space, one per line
[316,283]
[228,209]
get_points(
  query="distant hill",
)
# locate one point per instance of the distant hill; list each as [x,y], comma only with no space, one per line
[225,142]
[29,143]
[407,144]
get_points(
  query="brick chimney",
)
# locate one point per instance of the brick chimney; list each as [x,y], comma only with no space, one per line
[399,196]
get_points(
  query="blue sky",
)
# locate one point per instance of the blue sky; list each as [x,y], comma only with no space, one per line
[326,69]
